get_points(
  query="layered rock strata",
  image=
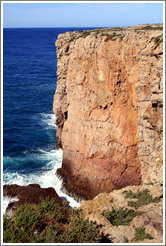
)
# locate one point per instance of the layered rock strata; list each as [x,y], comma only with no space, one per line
[109,108]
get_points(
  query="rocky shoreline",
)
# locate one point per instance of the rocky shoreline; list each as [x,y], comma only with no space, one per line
[133,214]
[31,193]
[109,115]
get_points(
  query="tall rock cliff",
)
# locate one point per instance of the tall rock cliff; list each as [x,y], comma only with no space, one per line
[109,108]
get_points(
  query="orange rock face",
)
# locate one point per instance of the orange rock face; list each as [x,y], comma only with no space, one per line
[106,80]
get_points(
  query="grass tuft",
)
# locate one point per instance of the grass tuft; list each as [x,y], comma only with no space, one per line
[121,216]
[140,234]
[143,197]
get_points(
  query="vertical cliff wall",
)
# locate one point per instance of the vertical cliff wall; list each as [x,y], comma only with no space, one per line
[109,106]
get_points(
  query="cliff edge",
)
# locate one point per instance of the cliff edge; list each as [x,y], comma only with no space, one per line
[109,108]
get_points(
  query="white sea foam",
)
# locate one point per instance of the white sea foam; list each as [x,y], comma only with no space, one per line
[45,177]
[48,119]
[7,200]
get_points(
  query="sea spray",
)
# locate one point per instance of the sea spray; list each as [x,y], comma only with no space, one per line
[29,131]
[37,166]
[45,177]
[48,119]
[7,200]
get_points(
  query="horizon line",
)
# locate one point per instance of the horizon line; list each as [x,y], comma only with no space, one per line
[160,23]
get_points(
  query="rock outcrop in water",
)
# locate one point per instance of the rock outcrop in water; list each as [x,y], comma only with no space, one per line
[31,193]
[109,108]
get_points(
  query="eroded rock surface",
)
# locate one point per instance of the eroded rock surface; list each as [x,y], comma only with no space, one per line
[31,193]
[109,108]
[150,218]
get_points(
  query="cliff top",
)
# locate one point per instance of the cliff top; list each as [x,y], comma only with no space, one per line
[111,32]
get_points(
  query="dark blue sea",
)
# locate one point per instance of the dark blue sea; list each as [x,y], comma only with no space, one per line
[29,84]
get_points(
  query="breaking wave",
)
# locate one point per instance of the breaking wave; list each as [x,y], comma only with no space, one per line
[37,166]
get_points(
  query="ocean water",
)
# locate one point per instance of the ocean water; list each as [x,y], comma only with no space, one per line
[29,132]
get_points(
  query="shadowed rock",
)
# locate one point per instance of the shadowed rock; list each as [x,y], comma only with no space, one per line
[31,193]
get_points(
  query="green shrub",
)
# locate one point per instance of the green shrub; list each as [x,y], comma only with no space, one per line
[143,197]
[130,194]
[80,231]
[27,217]
[140,235]
[48,222]
[8,232]
[121,216]
[48,235]
[54,210]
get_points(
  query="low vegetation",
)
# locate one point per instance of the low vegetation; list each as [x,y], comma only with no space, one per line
[150,27]
[108,33]
[123,216]
[145,118]
[113,37]
[150,183]
[48,222]
[140,234]
[143,197]
[114,33]
[120,216]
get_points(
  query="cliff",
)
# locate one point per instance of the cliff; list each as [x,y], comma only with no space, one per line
[109,108]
